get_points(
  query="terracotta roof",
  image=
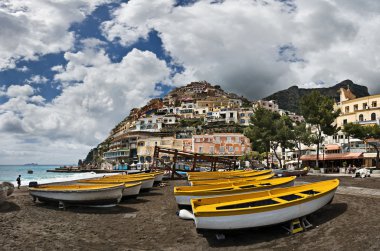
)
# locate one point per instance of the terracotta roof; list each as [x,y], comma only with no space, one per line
[332,147]
[333,156]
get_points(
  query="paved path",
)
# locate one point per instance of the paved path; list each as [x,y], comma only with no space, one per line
[356,191]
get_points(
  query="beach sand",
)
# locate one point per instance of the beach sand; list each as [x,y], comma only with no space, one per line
[150,223]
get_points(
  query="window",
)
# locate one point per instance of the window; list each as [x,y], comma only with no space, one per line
[374,104]
[231,115]
[236,149]
[237,140]
[344,121]
[361,117]
[347,109]
[200,149]
[197,140]
[221,149]
[228,139]
[211,150]
[242,121]
[364,106]
[373,116]
[242,114]
[355,107]
[231,149]
[217,140]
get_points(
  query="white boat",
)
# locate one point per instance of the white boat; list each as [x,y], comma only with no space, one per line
[6,189]
[158,176]
[262,208]
[132,190]
[146,182]
[184,194]
[79,194]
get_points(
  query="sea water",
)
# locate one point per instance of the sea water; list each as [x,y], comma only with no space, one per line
[40,174]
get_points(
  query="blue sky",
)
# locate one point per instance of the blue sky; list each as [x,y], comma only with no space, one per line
[71,70]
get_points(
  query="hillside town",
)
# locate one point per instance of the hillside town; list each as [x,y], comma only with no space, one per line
[204,119]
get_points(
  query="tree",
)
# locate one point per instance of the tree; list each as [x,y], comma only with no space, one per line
[261,130]
[302,135]
[318,110]
[270,130]
[350,129]
[283,135]
[369,134]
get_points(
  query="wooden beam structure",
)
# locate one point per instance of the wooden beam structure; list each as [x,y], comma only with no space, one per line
[194,157]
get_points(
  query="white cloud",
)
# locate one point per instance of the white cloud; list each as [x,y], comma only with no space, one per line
[94,101]
[37,99]
[19,91]
[236,43]
[23,69]
[37,79]
[131,21]
[30,28]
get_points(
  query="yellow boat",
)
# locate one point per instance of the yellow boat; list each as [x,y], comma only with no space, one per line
[184,194]
[220,175]
[262,208]
[215,173]
[147,182]
[158,176]
[79,194]
[223,181]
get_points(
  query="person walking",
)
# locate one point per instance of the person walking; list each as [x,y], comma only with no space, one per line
[18,181]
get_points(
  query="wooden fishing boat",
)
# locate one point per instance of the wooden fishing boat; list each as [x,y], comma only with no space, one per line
[158,176]
[146,182]
[131,190]
[262,208]
[223,181]
[191,173]
[79,194]
[184,194]
[301,172]
[230,175]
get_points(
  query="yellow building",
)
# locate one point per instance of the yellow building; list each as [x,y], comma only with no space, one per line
[212,102]
[364,110]
[145,147]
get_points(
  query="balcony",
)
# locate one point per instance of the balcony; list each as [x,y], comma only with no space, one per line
[368,122]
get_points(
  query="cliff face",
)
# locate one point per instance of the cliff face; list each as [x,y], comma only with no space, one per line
[288,99]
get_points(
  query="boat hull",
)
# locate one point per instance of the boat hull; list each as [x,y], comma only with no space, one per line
[158,177]
[185,200]
[102,196]
[265,218]
[288,173]
[147,184]
[132,191]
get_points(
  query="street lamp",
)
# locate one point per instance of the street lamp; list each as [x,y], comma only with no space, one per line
[323,156]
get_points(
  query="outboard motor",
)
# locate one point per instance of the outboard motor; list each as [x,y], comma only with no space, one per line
[33,184]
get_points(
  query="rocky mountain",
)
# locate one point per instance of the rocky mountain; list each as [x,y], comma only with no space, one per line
[288,99]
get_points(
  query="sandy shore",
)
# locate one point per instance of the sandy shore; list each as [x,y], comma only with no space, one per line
[150,223]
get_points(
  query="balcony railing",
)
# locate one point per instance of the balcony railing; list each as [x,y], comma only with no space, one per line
[367,122]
